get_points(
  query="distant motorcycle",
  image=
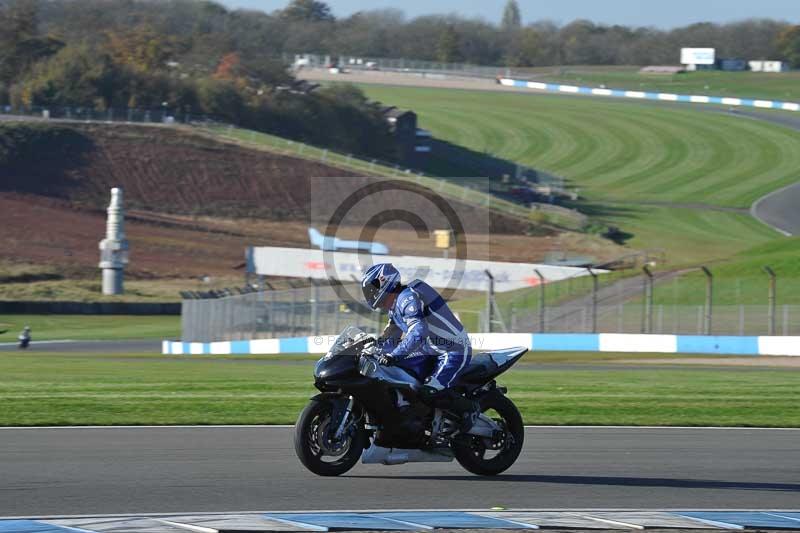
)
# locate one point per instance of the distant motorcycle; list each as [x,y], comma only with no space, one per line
[24,338]
[374,412]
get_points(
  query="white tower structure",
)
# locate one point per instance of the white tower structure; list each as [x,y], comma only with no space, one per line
[114,248]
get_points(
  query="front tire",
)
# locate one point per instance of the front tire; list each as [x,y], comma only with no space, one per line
[313,445]
[471,451]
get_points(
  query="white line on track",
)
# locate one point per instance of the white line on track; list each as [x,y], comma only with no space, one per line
[287,426]
[189,527]
[482,510]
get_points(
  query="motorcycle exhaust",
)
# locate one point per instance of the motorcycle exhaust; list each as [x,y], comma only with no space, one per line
[375,455]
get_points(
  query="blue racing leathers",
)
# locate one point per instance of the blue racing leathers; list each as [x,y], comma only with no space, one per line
[424,336]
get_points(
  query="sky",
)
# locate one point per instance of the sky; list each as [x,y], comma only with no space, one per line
[659,13]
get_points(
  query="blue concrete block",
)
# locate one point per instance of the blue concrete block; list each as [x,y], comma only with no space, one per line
[619,94]
[29,526]
[728,345]
[715,99]
[745,518]
[555,342]
[553,87]
[585,90]
[187,348]
[792,516]
[240,347]
[294,345]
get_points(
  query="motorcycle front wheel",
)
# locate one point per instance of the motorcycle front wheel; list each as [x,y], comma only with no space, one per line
[489,457]
[315,447]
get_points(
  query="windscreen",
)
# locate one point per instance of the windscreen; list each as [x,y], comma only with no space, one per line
[346,338]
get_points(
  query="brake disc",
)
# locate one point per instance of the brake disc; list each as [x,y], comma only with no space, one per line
[328,445]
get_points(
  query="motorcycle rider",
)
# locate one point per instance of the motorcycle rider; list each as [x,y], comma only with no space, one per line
[24,337]
[423,336]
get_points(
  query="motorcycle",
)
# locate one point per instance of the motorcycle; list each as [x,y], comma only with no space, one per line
[23,341]
[375,413]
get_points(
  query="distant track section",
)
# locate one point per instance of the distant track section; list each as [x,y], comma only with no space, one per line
[780,210]
[664,97]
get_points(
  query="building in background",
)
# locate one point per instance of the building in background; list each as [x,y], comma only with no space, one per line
[732,65]
[768,66]
[413,144]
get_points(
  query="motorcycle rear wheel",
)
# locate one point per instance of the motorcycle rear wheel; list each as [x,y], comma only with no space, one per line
[470,450]
[312,445]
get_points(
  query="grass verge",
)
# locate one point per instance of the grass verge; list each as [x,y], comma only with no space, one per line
[54,389]
[669,177]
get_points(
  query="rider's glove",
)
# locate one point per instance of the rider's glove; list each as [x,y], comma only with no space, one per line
[386,359]
[372,349]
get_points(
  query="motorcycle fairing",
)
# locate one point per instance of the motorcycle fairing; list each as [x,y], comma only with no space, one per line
[486,366]
[391,375]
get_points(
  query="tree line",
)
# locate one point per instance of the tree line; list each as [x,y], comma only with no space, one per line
[204,30]
[310,27]
[185,57]
[197,56]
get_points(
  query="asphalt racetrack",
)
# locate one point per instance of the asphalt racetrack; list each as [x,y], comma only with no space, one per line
[779,208]
[68,471]
[86,347]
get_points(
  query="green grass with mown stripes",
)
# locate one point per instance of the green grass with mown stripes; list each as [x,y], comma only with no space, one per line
[59,389]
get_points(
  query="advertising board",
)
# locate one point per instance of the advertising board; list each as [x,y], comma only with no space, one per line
[698,56]
[467,274]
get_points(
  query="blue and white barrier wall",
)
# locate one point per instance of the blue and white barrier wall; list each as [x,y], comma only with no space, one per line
[665,97]
[542,342]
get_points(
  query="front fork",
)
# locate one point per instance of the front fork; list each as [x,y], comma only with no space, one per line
[342,427]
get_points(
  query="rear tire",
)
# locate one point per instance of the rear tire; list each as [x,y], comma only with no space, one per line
[470,450]
[312,447]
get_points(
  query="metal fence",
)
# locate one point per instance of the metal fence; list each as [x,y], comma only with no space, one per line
[687,302]
[666,319]
[163,115]
[397,65]
[618,303]
[317,311]
[312,310]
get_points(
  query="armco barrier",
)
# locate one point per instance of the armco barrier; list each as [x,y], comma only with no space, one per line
[664,97]
[541,342]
